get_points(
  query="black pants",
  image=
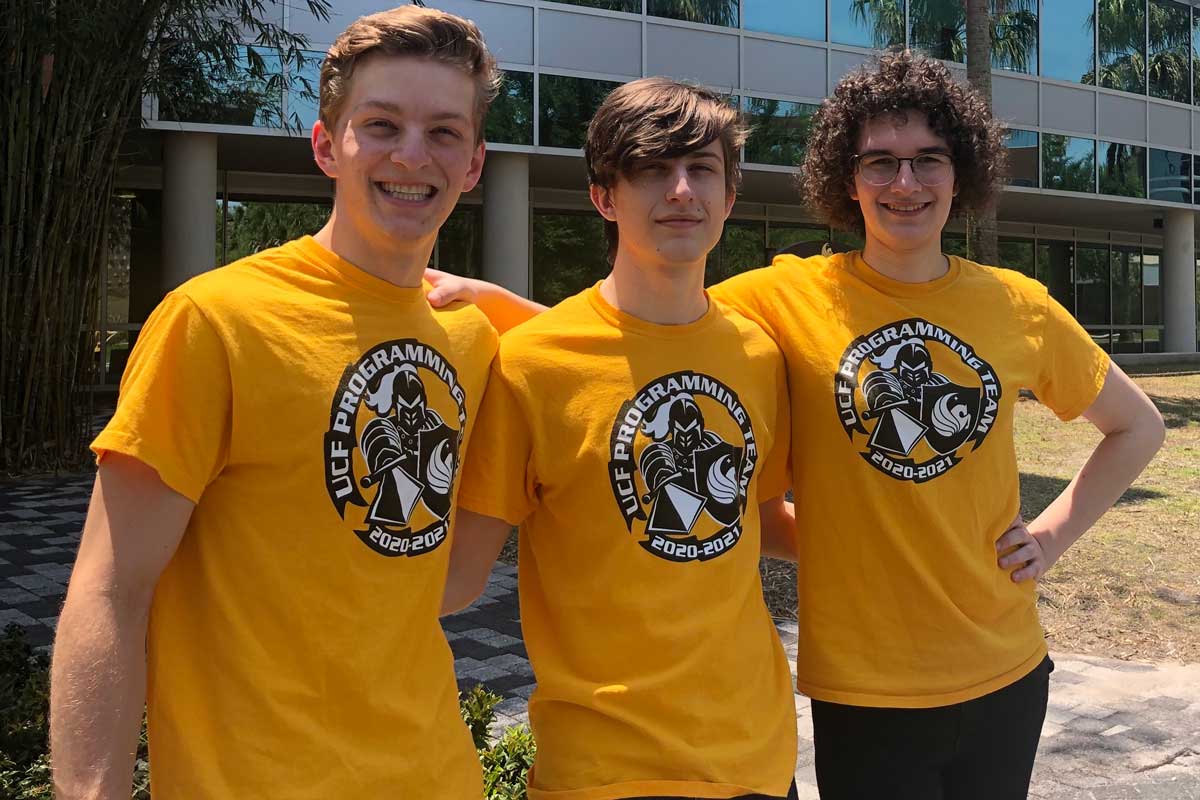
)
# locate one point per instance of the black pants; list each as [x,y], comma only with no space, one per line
[792,794]
[981,749]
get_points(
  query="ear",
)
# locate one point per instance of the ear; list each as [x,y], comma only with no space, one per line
[852,189]
[730,199]
[322,147]
[476,168]
[603,200]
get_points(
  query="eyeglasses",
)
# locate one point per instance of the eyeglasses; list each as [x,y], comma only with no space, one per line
[880,169]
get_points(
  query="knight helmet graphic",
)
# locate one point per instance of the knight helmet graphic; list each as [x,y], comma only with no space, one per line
[410,451]
[688,470]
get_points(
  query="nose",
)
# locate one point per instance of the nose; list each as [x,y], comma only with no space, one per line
[410,150]
[679,184]
[905,181]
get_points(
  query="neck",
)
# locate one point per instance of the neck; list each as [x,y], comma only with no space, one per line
[401,263]
[662,294]
[916,265]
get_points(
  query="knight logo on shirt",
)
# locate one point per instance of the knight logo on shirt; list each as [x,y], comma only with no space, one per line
[677,481]
[915,398]
[390,455]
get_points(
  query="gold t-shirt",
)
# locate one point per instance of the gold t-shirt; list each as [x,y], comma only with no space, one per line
[904,468]
[634,456]
[317,416]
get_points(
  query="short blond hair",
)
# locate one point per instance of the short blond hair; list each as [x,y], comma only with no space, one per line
[409,31]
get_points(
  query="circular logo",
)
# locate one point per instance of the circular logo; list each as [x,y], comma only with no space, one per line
[915,398]
[674,475]
[392,468]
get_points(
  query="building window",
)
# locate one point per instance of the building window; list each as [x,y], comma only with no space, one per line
[1054,263]
[743,246]
[1091,284]
[1152,311]
[1196,58]
[1169,51]
[510,119]
[1017,254]
[569,254]
[940,31]
[1069,50]
[875,23]
[1123,45]
[629,6]
[223,94]
[1015,35]
[460,242]
[1170,176]
[802,18]
[1122,169]
[779,131]
[304,108]
[1068,163]
[1022,157]
[566,106]
[710,12]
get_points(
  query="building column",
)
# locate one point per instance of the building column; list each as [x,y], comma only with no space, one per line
[1179,282]
[189,206]
[506,221]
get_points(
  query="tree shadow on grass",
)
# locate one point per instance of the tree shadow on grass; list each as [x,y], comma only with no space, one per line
[1037,491]
[1178,412]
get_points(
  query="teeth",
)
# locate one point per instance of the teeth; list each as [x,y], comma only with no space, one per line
[910,207]
[408,191]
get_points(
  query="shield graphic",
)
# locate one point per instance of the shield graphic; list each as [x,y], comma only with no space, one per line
[897,431]
[950,411]
[437,461]
[676,509]
[718,472]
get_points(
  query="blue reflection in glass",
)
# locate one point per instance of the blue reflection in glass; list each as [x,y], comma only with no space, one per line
[802,18]
[1015,35]
[1170,176]
[1022,157]
[1068,41]
[1068,163]
[301,109]
[867,23]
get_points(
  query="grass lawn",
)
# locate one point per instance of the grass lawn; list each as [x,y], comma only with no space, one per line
[1130,588]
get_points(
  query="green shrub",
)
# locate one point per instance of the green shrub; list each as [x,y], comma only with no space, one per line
[506,761]
[478,710]
[24,700]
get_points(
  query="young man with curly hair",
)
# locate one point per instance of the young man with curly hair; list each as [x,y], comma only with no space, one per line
[919,638]
[638,435]
[265,553]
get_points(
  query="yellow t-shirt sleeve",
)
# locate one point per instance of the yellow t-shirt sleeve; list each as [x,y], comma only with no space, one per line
[173,413]
[498,477]
[776,477]
[1073,367]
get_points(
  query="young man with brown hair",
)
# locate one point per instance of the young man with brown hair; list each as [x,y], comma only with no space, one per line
[264,557]
[633,432]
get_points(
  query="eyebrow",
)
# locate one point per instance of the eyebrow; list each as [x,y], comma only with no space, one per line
[921,151]
[394,108]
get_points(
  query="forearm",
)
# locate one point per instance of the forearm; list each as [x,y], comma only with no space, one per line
[1113,466]
[778,519]
[97,695]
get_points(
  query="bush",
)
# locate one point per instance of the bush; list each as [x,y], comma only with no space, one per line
[505,762]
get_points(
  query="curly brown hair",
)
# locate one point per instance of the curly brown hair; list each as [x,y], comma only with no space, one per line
[900,81]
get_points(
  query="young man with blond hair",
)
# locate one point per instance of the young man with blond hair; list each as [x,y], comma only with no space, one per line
[638,435]
[264,557]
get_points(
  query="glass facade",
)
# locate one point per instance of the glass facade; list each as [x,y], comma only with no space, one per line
[1068,163]
[1123,45]
[224,94]
[1091,284]
[566,107]
[303,107]
[939,30]
[1015,35]
[779,131]
[802,18]
[1054,265]
[1017,254]
[781,236]
[630,6]
[1152,311]
[1122,169]
[1068,40]
[1022,157]
[569,253]
[710,12]
[867,23]
[510,119]
[1170,48]
[742,247]
[460,242]
[1170,176]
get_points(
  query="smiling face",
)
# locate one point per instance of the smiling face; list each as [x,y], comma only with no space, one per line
[904,215]
[669,211]
[402,150]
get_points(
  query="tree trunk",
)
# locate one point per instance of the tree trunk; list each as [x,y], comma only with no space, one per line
[982,244]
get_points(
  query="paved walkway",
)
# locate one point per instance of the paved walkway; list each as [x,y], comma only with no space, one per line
[1114,730]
